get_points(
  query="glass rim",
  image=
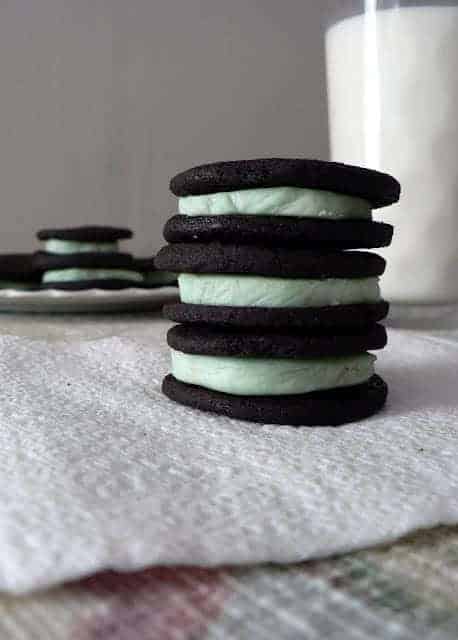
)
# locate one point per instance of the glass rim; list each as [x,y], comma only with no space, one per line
[338,10]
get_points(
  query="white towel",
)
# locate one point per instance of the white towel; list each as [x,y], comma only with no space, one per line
[98,470]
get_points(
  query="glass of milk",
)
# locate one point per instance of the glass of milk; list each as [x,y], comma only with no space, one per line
[393,102]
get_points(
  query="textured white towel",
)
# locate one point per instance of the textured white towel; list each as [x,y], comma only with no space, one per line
[98,470]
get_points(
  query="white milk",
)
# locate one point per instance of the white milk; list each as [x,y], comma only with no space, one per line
[393,94]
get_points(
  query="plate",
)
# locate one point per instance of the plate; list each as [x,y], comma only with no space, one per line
[88,301]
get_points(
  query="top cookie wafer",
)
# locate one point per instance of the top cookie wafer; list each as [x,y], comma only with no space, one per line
[380,189]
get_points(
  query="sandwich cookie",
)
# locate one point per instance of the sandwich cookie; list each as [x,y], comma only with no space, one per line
[19,271]
[306,203]
[152,277]
[75,271]
[281,378]
[249,286]
[85,258]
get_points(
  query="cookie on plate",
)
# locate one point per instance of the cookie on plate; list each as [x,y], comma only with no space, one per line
[19,271]
[86,257]
[152,277]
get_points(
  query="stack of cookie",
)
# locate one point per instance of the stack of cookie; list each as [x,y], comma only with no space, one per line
[86,257]
[278,313]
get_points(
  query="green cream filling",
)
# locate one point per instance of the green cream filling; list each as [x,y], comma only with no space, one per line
[258,291]
[70,246]
[73,275]
[155,278]
[271,376]
[277,201]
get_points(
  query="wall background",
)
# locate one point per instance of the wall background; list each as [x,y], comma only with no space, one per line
[102,101]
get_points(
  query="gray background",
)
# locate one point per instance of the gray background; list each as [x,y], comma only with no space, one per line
[102,101]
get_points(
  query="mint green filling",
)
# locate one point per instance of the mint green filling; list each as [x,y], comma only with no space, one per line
[70,246]
[271,376]
[72,275]
[277,201]
[157,278]
[20,286]
[258,291]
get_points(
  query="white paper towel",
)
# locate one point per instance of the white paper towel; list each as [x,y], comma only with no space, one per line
[98,470]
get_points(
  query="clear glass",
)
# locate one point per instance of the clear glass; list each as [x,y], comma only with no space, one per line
[393,96]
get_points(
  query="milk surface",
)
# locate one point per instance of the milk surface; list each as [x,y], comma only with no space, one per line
[393,96]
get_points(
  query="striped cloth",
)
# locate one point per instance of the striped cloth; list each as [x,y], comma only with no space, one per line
[407,591]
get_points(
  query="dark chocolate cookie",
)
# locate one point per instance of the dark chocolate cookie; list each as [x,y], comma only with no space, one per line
[85,260]
[279,231]
[268,261]
[220,341]
[320,408]
[342,317]
[86,234]
[19,267]
[110,284]
[378,188]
